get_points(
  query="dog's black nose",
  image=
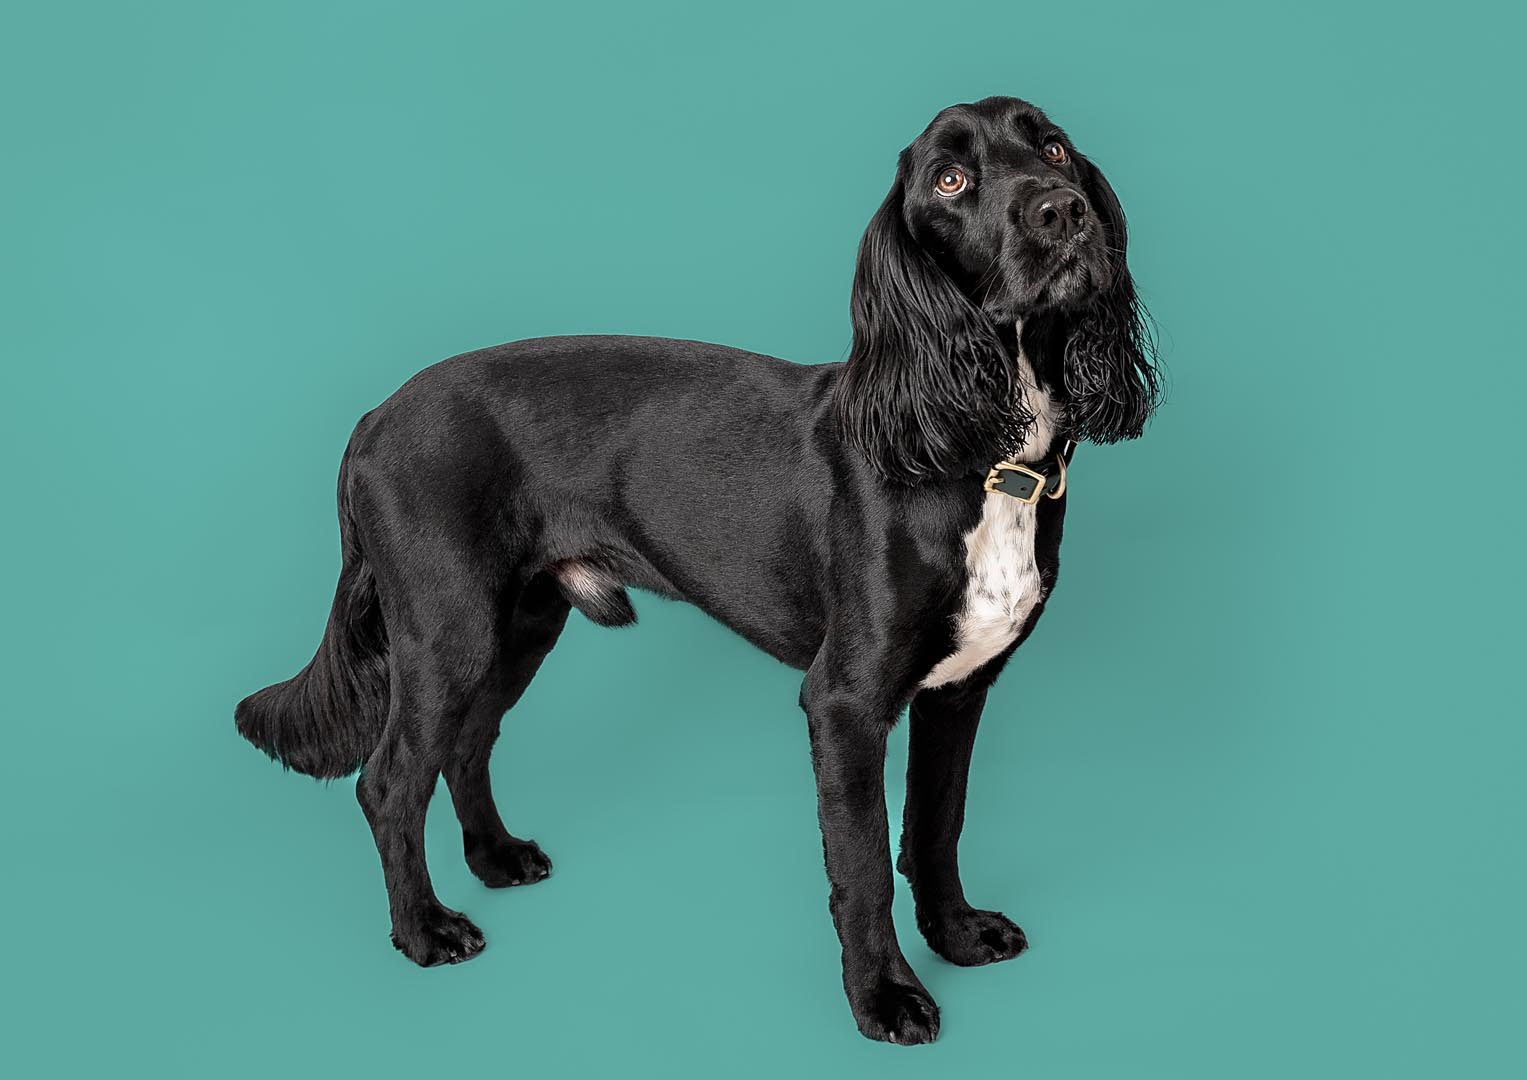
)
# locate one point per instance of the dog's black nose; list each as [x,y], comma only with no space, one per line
[1057,214]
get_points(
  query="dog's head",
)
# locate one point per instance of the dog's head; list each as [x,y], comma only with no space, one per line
[995,220]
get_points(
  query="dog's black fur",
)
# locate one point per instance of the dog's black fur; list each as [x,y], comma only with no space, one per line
[819,511]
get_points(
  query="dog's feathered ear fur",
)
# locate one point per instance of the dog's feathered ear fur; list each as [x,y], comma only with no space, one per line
[1110,368]
[928,390]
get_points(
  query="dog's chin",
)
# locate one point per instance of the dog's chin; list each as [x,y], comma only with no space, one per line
[1069,285]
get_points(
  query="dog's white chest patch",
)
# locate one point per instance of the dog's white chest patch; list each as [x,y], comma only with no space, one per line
[1004,584]
[1003,588]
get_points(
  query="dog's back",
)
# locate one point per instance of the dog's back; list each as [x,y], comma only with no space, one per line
[557,455]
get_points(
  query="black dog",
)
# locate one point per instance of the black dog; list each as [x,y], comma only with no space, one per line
[889,525]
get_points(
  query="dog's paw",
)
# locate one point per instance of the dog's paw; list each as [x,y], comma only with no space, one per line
[895,1011]
[969,937]
[438,935]
[511,862]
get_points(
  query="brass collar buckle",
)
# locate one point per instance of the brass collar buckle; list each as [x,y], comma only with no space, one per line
[1027,484]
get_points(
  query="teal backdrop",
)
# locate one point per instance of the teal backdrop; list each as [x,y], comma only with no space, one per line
[1254,788]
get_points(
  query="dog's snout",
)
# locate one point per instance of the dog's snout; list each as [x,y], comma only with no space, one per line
[1057,214]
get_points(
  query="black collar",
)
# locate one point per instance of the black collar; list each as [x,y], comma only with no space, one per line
[1026,482]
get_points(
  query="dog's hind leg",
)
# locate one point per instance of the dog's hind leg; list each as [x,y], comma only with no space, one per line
[498,858]
[439,672]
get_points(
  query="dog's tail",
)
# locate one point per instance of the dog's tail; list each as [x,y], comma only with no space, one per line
[328,718]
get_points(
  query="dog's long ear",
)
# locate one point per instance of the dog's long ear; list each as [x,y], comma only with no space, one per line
[1111,375]
[928,390]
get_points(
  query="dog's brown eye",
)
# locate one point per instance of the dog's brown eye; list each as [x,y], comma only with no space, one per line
[951,182]
[1055,153]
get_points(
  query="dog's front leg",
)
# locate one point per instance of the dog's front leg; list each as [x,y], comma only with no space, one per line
[938,763]
[848,737]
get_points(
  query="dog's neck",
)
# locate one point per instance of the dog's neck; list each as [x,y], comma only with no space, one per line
[1040,389]
[1042,342]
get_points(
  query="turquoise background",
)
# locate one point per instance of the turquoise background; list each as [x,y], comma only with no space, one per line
[1255,787]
